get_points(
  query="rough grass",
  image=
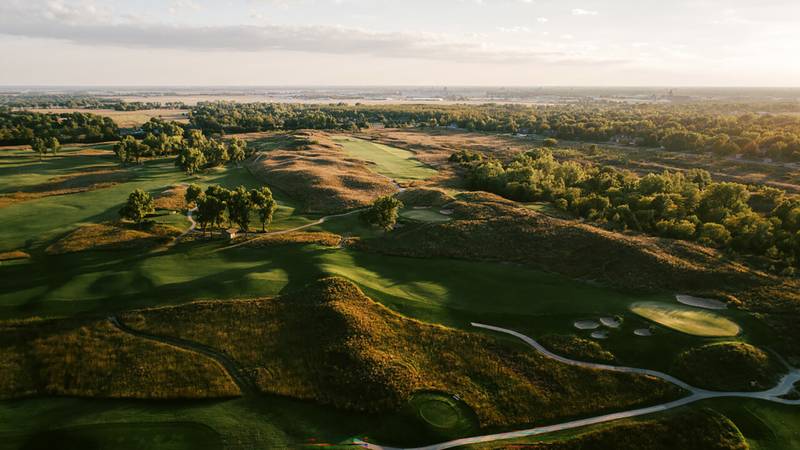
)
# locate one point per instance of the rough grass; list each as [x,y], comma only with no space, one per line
[727,366]
[172,198]
[395,163]
[577,348]
[687,320]
[424,196]
[12,255]
[110,237]
[331,344]
[686,430]
[298,237]
[317,173]
[97,360]
[487,227]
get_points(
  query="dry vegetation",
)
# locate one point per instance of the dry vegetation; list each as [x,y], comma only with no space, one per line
[127,119]
[14,254]
[97,360]
[68,184]
[299,237]
[317,173]
[728,366]
[577,348]
[331,344]
[488,227]
[108,236]
[172,198]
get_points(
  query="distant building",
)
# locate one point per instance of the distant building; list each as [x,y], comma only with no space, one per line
[230,233]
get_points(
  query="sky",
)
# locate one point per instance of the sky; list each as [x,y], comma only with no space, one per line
[400,42]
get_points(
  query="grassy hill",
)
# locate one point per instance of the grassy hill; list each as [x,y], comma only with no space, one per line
[94,359]
[332,344]
[315,171]
[728,366]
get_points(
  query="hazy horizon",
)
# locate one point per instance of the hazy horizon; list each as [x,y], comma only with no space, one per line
[323,43]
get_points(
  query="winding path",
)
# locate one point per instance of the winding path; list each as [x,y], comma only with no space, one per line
[783,387]
[245,385]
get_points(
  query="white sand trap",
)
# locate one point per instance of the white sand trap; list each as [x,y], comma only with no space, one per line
[700,302]
[610,322]
[600,334]
[586,325]
[643,332]
[446,212]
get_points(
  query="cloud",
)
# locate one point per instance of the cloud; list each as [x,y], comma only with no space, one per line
[583,12]
[140,33]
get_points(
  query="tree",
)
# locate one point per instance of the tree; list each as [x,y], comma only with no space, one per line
[210,211]
[139,205]
[721,200]
[263,200]
[193,192]
[216,153]
[38,145]
[53,145]
[190,159]
[714,235]
[237,150]
[383,212]
[239,207]
[550,142]
[129,150]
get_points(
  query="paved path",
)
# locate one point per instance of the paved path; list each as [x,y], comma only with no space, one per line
[783,387]
[245,385]
[319,221]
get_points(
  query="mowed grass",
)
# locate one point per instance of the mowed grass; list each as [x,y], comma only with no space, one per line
[397,164]
[128,119]
[127,436]
[687,320]
[424,215]
[33,223]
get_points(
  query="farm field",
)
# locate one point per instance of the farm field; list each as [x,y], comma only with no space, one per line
[127,119]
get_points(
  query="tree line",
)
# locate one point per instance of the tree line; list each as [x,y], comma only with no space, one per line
[21,128]
[759,221]
[685,128]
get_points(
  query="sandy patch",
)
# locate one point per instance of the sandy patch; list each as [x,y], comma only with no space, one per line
[644,332]
[610,322]
[699,302]
[600,334]
[586,325]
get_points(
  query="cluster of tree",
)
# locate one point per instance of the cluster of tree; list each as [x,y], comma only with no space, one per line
[43,146]
[692,127]
[139,106]
[198,152]
[216,204]
[383,212]
[20,128]
[194,151]
[691,206]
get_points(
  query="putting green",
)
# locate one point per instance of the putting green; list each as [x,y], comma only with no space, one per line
[687,320]
[424,215]
[442,412]
[395,163]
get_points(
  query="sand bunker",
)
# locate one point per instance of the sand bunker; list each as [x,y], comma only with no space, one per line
[600,334]
[586,325]
[610,322]
[643,332]
[446,212]
[700,302]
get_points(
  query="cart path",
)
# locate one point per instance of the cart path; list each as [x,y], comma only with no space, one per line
[784,386]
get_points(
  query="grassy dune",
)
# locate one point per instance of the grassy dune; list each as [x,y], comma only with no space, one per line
[728,366]
[96,360]
[358,355]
